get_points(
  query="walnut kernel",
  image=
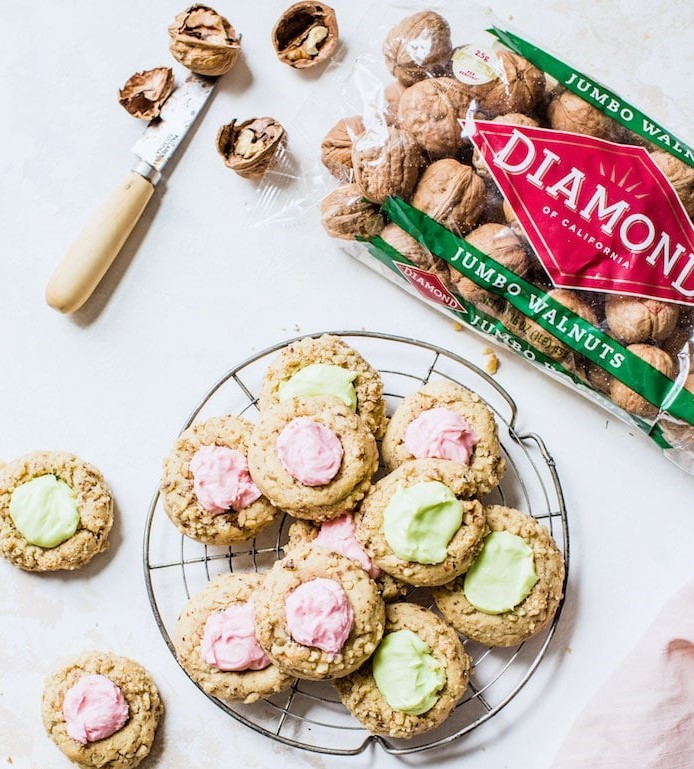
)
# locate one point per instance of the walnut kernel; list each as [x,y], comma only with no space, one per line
[305,34]
[249,147]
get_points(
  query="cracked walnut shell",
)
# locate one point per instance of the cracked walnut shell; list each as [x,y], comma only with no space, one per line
[568,112]
[680,175]
[249,147]
[520,87]
[305,34]
[336,147]
[145,92]
[432,111]
[203,41]
[451,193]
[418,47]
[633,319]
[347,214]
[631,401]
[386,163]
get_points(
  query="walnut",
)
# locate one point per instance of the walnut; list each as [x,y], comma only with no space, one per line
[568,112]
[386,162]
[336,148]
[513,118]
[519,87]
[681,177]
[249,147]
[347,214]
[432,111]
[392,94]
[413,250]
[512,220]
[418,47]
[203,41]
[145,92]
[501,243]
[451,193]
[306,34]
[625,397]
[633,319]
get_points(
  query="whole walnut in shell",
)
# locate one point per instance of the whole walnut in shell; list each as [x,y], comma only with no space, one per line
[513,118]
[633,319]
[451,193]
[144,93]
[336,147]
[681,177]
[203,41]
[568,112]
[306,34]
[346,214]
[512,220]
[520,87]
[418,47]
[413,250]
[502,244]
[630,401]
[386,162]
[392,95]
[249,147]
[432,111]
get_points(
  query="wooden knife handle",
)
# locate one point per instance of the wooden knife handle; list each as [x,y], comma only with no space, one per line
[93,252]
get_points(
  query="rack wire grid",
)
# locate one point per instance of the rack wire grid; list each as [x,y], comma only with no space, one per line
[309,715]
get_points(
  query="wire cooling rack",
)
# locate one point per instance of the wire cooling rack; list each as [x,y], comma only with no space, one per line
[310,715]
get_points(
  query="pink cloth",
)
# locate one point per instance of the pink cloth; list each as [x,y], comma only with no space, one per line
[643,715]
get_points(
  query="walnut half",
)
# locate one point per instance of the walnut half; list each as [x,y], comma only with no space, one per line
[305,34]
[249,147]
[203,41]
[144,93]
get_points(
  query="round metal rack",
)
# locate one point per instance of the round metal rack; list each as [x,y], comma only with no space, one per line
[310,715]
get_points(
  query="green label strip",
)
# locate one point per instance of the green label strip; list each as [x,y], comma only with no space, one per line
[592,92]
[549,314]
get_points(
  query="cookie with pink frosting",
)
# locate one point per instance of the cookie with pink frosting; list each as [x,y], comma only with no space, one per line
[445,421]
[216,642]
[339,536]
[312,457]
[207,489]
[318,614]
[102,711]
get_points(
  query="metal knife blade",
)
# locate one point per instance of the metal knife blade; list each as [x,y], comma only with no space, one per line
[164,134]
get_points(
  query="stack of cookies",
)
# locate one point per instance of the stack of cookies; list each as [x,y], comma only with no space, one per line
[335,608]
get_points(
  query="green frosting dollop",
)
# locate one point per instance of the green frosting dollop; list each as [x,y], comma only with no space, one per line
[321,379]
[502,575]
[44,510]
[407,674]
[420,521]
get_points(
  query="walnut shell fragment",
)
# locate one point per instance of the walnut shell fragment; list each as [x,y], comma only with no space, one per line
[520,87]
[347,214]
[432,111]
[680,175]
[144,94]
[203,41]
[249,147]
[568,112]
[513,118]
[305,34]
[418,47]
[633,319]
[386,162]
[336,147]
[413,250]
[631,401]
[451,193]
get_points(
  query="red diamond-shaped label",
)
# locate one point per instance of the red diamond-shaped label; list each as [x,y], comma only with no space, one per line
[429,286]
[600,216]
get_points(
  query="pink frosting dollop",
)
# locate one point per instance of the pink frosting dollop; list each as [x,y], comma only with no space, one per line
[229,642]
[319,614]
[310,452]
[339,536]
[94,708]
[441,434]
[221,479]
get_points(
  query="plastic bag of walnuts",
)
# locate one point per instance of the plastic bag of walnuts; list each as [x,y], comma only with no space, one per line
[525,199]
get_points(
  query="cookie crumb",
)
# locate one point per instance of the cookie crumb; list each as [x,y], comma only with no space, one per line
[9,760]
[458,326]
[569,650]
[491,362]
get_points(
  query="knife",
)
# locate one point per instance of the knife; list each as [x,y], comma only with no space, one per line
[81,269]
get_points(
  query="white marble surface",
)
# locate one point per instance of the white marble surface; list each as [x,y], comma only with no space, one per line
[197,289]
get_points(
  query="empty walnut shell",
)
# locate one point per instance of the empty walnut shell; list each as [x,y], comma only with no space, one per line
[145,92]
[513,118]
[347,214]
[451,193]
[392,94]
[336,148]
[681,177]
[519,88]
[203,41]
[249,147]
[432,111]
[633,319]
[418,47]
[413,250]
[568,112]
[305,34]
[502,244]
[626,398]
[386,162]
